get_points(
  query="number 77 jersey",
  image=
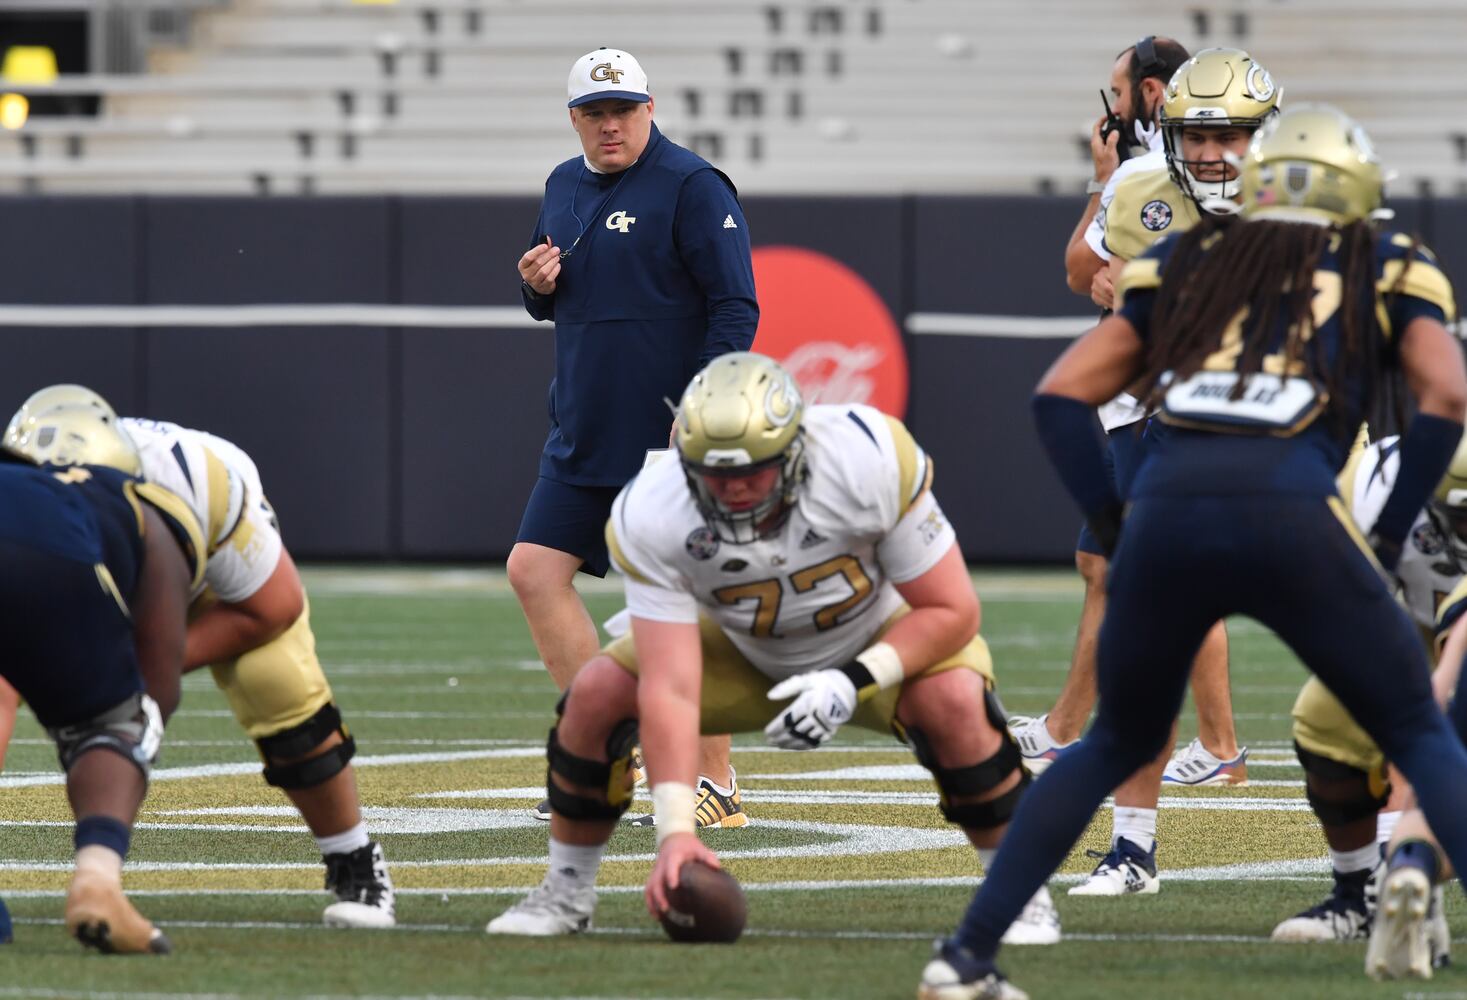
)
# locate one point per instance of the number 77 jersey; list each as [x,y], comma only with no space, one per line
[815,593]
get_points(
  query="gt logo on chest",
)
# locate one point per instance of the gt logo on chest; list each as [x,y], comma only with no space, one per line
[620,221]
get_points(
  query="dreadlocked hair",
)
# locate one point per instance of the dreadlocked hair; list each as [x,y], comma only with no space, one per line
[1253,273]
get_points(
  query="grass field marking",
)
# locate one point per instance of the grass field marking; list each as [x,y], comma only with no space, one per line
[253,767]
[42,994]
[1298,870]
[648,932]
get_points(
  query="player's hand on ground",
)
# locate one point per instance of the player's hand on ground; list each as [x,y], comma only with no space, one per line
[1105,151]
[540,266]
[676,851]
[824,701]
[1103,289]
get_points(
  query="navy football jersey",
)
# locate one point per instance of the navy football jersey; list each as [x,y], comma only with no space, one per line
[1283,434]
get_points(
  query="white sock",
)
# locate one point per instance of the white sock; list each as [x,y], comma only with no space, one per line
[103,861]
[985,858]
[1360,859]
[733,781]
[574,863]
[345,842]
[1385,825]
[1136,825]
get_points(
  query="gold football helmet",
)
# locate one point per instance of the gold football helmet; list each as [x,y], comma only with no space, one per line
[738,417]
[1216,88]
[70,425]
[1315,164]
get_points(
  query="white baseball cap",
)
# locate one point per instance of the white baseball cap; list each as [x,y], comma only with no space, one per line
[605,74]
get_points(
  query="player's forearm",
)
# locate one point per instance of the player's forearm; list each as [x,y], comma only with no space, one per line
[226,632]
[1081,262]
[669,733]
[927,636]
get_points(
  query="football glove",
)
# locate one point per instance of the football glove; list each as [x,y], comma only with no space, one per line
[824,701]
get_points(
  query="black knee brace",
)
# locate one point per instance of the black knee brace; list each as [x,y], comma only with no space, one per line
[1355,798]
[612,775]
[975,779]
[302,739]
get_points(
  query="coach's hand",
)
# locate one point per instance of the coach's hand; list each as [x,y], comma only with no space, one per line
[540,266]
[676,851]
[824,701]
[1104,150]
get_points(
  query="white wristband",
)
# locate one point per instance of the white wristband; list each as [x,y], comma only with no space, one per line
[672,805]
[885,664]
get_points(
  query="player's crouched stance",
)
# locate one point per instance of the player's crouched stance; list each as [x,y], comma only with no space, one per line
[95,570]
[249,622]
[786,555]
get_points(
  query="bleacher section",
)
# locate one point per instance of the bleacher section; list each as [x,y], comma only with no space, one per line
[334,96]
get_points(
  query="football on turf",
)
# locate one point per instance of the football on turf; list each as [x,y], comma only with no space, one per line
[707,905]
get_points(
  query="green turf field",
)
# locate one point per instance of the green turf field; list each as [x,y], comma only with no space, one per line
[849,868]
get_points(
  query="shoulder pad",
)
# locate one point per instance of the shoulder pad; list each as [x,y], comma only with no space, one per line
[1145,205]
[181,522]
[914,467]
[1419,276]
[1452,607]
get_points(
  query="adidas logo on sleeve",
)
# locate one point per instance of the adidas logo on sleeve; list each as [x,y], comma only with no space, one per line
[729,223]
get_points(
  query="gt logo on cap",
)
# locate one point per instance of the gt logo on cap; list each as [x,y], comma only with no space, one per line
[620,221]
[604,72]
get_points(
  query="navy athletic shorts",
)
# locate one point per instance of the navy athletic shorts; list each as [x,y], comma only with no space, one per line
[571,519]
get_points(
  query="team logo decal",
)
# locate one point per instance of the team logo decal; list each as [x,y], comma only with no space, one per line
[1259,83]
[702,543]
[603,72]
[1426,540]
[1156,215]
[620,221]
[830,329]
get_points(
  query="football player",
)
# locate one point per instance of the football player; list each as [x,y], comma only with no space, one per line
[1412,940]
[1344,772]
[789,570]
[1262,344]
[249,622]
[95,573]
[1212,107]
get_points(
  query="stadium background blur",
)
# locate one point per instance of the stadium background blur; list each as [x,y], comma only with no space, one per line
[294,222]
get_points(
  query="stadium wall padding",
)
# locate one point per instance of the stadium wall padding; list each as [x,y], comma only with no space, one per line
[422,443]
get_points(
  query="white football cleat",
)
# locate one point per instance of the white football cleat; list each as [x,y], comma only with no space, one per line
[364,893]
[1344,915]
[1125,871]
[954,974]
[1037,923]
[1037,748]
[1194,766]
[552,908]
[1398,947]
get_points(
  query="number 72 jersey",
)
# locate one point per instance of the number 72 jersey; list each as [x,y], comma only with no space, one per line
[814,594]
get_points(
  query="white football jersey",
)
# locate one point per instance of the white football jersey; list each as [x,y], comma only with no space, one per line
[814,594]
[1427,571]
[221,485]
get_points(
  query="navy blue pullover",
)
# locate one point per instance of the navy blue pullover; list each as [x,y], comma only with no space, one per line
[659,284]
